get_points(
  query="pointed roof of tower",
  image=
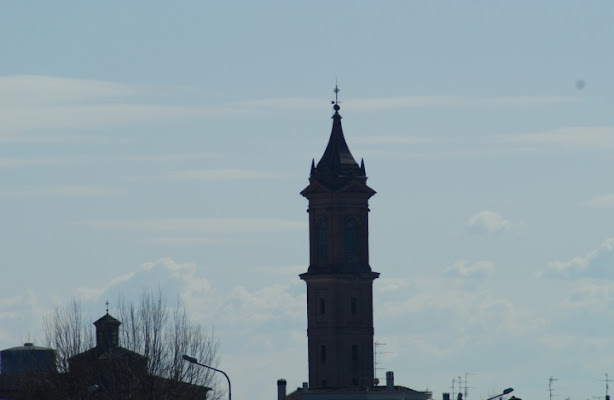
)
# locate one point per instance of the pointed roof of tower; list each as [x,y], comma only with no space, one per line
[107,319]
[337,157]
[337,164]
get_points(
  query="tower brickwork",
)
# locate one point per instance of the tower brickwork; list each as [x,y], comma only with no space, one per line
[339,279]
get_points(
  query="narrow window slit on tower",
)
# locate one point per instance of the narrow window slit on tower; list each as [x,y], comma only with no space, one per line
[322,239]
[351,240]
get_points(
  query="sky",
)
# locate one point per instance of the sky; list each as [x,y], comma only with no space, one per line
[152,144]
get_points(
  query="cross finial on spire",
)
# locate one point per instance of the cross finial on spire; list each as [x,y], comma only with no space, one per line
[336,102]
[107,304]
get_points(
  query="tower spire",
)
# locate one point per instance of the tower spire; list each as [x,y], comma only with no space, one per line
[337,166]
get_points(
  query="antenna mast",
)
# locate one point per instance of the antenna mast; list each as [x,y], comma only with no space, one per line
[467,384]
[607,386]
[453,387]
[550,389]
[375,362]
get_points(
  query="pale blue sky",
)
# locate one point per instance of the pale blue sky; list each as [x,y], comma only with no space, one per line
[147,144]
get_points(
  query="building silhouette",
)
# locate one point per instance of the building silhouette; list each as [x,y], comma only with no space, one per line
[104,372]
[339,279]
[339,282]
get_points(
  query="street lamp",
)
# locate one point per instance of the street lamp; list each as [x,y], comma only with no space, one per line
[193,360]
[506,391]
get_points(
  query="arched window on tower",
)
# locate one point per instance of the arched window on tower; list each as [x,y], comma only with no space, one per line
[351,240]
[322,239]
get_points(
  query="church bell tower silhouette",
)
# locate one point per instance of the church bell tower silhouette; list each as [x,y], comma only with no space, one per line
[339,279]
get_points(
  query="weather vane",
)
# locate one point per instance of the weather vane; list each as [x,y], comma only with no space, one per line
[336,102]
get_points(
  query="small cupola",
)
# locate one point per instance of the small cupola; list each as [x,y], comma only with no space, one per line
[107,332]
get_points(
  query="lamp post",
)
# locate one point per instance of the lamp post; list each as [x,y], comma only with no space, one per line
[506,391]
[193,360]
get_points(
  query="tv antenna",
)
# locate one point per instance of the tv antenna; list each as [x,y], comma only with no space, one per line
[453,387]
[466,388]
[550,389]
[377,351]
[607,386]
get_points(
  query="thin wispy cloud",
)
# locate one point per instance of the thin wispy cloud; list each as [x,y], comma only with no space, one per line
[606,201]
[62,191]
[457,101]
[42,139]
[17,162]
[395,140]
[27,162]
[595,295]
[199,225]
[487,221]
[221,175]
[89,293]
[206,240]
[262,305]
[597,263]
[39,89]
[593,137]
[464,270]
[30,102]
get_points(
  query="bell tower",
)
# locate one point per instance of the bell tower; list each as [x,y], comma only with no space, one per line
[339,279]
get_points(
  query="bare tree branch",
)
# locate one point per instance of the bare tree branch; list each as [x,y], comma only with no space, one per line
[149,327]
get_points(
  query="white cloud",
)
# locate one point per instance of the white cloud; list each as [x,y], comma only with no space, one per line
[182,278]
[606,201]
[20,312]
[597,263]
[462,269]
[273,302]
[488,222]
[238,306]
[89,293]
[221,175]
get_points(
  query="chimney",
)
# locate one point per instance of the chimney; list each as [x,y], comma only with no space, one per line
[390,381]
[281,389]
[446,396]
[305,387]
